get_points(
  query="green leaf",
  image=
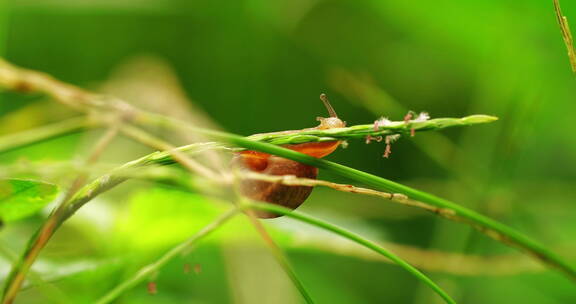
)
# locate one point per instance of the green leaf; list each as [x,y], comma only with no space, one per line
[21,198]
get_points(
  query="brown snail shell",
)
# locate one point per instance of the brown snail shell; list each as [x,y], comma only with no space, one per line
[288,196]
[276,193]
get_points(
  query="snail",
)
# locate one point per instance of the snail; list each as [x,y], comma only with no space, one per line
[276,193]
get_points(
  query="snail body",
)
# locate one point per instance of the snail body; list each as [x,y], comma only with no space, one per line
[287,196]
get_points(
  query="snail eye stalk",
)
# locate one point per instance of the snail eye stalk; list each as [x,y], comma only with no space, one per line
[328,106]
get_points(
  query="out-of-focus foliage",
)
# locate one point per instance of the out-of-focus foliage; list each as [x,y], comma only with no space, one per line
[254,66]
[22,198]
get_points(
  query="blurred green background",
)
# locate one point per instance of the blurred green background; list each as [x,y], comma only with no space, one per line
[257,66]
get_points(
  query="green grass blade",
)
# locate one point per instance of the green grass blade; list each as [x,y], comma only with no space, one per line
[490,227]
[147,271]
[363,131]
[357,239]
[47,132]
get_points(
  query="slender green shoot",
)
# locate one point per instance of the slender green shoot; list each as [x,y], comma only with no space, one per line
[382,128]
[147,271]
[566,34]
[355,238]
[490,227]
[81,197]
[44,133]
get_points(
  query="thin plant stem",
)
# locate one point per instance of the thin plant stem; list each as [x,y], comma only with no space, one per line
[373,130]
[318,135]
[566,34]
[51,291]
[355,238]
[399,198]
[156,143]
[194,166]
[369,95]
[4,25]
[280,257]
[488,226]
[77,200]
[107,181]
[25,80]
[149,270]
[456,264]
[20,269]
[492,228]
[44,133]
